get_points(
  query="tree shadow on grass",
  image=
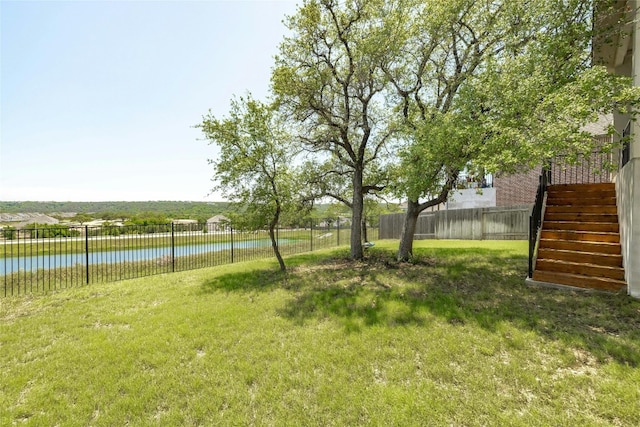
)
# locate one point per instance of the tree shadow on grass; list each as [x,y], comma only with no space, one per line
[381,291]
[476,286]
[245,281]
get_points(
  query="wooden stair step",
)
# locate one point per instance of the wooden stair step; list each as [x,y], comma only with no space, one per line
[580,268]
[611,260]
[582,187]
[612,210]
[581,226]
[559,188]
[581,194]
[589,236]
[580,241]
[581,217]
[583,246]
[579,281]
[583,201]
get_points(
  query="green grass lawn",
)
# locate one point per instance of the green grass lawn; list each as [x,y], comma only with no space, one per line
[453,338]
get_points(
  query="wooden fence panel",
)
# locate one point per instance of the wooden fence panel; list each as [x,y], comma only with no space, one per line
[494,223]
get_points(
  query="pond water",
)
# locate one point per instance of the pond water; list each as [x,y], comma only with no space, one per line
[47,262]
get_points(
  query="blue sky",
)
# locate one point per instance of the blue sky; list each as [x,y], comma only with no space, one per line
[98,98]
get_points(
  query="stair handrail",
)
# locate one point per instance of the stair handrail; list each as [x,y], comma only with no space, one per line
[625,151]
[535,220]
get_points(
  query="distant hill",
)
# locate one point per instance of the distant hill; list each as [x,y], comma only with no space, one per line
[169,208]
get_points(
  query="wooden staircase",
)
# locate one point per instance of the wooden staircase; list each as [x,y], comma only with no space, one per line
[580,239]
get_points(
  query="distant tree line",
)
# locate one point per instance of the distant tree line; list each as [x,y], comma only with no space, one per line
[154,213]
[118,210]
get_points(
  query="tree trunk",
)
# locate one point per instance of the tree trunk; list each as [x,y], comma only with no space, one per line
[414,207]
[274,241]
[276,249]
[357,208]
[405,250]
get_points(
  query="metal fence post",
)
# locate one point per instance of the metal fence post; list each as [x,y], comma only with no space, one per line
[338,232]
[5,266]
[311,236]
[231,228]
[173,249]
[86,246]
[531,245]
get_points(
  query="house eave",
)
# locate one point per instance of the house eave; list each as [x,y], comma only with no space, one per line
[613,26]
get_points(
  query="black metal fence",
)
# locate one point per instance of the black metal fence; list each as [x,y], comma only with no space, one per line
[535,220]
[590,169]
[57,257]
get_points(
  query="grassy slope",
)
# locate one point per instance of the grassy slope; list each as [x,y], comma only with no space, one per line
[453,339]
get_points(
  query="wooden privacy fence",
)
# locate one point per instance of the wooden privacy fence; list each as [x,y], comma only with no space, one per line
[494,223]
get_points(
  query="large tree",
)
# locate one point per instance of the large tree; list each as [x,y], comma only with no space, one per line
[500,84]
[254,168]
[328,75]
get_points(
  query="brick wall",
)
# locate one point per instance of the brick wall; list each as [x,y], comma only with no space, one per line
[516,189]
[521,188]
